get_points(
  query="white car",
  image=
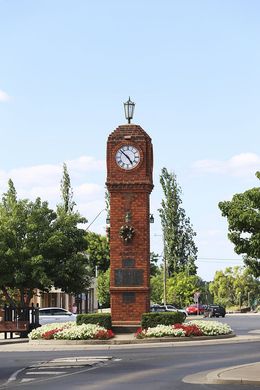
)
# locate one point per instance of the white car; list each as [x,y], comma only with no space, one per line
[161,308]
[48,315]
[173,308]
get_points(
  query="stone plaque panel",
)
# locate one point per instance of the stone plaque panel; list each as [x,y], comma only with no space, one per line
[129,277]
[128,263]
[129,297]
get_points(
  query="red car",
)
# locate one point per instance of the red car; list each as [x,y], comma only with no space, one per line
[195,309]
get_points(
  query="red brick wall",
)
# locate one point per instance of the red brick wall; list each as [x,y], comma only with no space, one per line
[129,192]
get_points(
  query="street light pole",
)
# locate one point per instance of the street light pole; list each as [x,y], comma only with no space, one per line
[96,217]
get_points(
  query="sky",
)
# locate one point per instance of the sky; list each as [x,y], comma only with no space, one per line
[191,67]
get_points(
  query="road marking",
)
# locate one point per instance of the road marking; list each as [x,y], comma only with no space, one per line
[82,363]
[60,367]
[45,372]
[13,376]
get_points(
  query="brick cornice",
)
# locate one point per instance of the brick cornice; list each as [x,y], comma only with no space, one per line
[129,288]
[135,186]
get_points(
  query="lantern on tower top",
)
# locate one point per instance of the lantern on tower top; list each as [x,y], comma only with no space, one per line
[129,107]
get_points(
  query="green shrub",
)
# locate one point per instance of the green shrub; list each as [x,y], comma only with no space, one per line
[150,320]
[102,319]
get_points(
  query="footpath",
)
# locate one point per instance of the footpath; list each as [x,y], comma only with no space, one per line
[243,374]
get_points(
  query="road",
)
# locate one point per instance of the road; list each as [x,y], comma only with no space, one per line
[133,367]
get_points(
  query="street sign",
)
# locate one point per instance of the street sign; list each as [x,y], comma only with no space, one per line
[196,296]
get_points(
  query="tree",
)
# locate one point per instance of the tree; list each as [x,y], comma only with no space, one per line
[181,288]
[39,248]
[66,191]
[24,228]
[157,287]
[180,250]
[66,253]
[243,216]
[97,248]
[103,291]
[154,268]
[234,286]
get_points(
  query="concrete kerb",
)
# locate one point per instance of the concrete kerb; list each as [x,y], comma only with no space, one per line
[15,340]
[242,374]
[129,339]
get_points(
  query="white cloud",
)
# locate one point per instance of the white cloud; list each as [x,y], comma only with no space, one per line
[4,97]
[44,181]
[243,164]
[50,174]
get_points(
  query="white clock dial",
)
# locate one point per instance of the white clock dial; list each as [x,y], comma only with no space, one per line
[128,157]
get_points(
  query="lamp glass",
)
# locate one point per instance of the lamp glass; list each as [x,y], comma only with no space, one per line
[129,107]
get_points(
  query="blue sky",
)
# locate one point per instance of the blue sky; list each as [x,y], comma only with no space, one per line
[192,68]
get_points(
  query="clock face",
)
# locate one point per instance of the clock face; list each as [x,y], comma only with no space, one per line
[128,157]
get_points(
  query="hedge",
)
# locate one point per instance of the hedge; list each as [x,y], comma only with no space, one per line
[150,320]
[103,319]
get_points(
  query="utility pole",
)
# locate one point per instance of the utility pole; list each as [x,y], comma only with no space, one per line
[164,272]
[164,267]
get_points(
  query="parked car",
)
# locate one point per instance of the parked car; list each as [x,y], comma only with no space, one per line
[162,308]
[47,315]
[195,309]
[215,311]
[157,308]
[173,308]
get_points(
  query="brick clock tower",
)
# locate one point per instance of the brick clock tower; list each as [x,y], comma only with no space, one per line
[129,183]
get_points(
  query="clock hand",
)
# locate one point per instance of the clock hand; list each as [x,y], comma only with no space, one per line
[126,156]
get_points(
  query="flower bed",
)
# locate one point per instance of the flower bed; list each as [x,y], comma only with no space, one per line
[191,328]
[71,331]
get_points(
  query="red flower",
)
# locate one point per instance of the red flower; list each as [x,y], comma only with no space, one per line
[138,333]
[50,333]
[190,330]
[104,334]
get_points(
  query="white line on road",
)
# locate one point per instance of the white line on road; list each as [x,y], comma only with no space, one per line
[13,377]
[45,372]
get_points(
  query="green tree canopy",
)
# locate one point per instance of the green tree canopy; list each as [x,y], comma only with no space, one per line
[156,283]
[243,216]
[97,249]
[180,288]
[39,248]
[180,250]
[66,191]
[103,288]
[234,285]
[154,268]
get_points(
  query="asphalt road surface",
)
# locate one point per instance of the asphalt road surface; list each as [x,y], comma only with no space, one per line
[128,368]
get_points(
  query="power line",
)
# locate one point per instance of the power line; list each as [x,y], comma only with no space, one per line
[217,258]
[218,261]
[211,258]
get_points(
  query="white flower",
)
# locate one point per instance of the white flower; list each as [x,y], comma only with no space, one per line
[38,332]
[211,328]
[164,330]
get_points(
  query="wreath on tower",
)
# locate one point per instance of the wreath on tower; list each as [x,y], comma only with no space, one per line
[126,232]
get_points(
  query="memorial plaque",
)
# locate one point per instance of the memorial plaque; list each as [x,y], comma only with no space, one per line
[129,277]
[128,263]
[129,297]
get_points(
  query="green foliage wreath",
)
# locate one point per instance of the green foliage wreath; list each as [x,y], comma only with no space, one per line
[126,232]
